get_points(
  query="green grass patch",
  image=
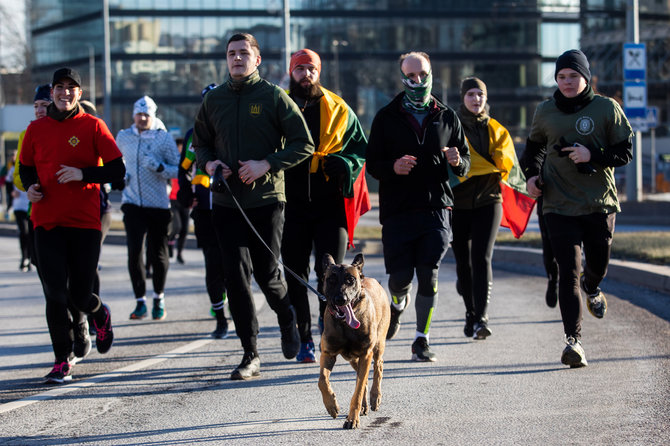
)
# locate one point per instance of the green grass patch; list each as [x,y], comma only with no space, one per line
[644,246]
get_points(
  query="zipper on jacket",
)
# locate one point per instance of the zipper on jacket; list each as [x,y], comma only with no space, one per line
[425,129]
[137,165]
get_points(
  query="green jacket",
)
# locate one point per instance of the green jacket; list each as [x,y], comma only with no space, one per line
[251,120]
[602,127]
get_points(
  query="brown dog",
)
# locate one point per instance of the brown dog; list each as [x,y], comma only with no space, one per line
[355,324]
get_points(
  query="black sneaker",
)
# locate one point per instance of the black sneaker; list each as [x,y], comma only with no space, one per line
[104,336]
[82,340]
[290,338]
[421,351]
[468,329]
[249,368]
[394,324]
[221,330]
[61,372]
[551,296]
[481,330]
[573,354]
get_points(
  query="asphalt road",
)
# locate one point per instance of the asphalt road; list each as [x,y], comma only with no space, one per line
[166,383]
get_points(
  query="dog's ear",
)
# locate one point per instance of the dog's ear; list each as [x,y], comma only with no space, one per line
[358,262]
[327,261]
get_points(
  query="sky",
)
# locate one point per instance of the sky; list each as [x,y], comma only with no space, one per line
[12,27]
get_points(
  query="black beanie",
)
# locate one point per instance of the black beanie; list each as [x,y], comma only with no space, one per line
[575,60]
[470,83]
[43,93]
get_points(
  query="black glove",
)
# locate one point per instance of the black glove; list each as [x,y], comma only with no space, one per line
[118,184]
[585,168]
[335,167]
[217,184]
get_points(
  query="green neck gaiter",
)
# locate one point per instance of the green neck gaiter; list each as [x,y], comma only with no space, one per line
[417,95]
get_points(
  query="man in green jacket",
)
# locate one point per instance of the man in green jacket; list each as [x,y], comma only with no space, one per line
[254,131]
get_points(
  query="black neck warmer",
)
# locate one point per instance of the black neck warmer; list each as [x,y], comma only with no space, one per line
[573,105]
[58,115]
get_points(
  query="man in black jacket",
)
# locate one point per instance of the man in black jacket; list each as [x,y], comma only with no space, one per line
[414,142]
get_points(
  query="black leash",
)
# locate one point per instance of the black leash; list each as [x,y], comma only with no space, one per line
[218,176]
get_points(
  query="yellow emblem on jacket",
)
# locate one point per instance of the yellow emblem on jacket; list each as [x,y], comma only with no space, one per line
[73,141]
[255,109]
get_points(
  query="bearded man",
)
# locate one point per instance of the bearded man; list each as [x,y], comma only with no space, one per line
[326,193]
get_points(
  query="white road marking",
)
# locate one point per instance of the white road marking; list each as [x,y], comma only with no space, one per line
[62,390]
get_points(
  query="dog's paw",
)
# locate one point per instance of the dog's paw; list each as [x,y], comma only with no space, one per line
[333,409]
[375,403]
[364,408]
[375,400]
[352,424]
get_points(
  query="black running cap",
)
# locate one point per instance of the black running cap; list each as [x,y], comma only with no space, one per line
[59,75]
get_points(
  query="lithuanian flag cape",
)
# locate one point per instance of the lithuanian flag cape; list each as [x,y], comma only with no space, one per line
[341,135]
[517,204]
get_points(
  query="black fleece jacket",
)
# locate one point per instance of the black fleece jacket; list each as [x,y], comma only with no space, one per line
[396,133]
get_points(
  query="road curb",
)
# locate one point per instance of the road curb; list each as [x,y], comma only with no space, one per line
[510,258]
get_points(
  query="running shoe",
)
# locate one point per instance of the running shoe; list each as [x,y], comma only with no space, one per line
[104,335]
[573,354]
[596,302]
[306,353]
[61,372]
[158,311]
[421,351]
[481,331]
[140,311]
[249,368]
[221,330]
[82,340]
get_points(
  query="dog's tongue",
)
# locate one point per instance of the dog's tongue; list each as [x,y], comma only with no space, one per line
[350,317]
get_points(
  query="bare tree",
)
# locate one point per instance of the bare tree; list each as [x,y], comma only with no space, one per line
[16,86]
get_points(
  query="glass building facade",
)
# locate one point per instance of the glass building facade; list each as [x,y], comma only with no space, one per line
[171,49]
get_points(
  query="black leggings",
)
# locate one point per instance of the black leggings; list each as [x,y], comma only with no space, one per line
[568,234]
[179,224]
[550,264]
[206,237]
[475,233]
[67,260]
[150,224]
[323,228]
[25,237]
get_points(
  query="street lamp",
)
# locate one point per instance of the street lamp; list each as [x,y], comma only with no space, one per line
[336,44]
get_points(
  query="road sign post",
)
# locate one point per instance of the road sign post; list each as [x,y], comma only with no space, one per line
[635,107]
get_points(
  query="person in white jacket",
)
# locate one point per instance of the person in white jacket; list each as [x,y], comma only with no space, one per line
[151,158]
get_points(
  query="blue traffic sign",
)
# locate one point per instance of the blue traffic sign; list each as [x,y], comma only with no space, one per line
[634,61]
[652,117]
[635,99]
